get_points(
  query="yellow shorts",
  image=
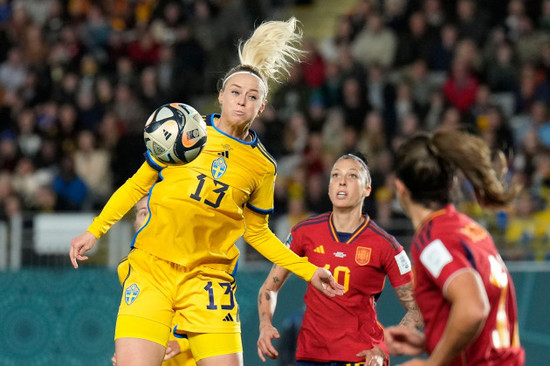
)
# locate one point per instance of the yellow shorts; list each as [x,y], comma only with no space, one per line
[203,299]
[214,344]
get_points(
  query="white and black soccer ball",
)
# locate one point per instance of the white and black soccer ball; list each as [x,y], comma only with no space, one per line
[175,133]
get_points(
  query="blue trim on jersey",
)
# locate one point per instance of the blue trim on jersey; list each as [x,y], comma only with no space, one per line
[151,162]
[209,119]
[389,238]
[265,153]
[259,210]
[469,254]
[211,123]
[236,264]
[178,335]
[312,220]
[148,210]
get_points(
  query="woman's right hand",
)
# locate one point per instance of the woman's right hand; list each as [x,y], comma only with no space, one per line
[80,245]
[402,340]
[267,333]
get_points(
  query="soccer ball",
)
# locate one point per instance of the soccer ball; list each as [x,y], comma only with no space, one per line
[175,133]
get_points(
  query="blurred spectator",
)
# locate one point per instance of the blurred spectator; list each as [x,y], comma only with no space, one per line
[501,69]
[95,32]
[89,112]
[354,103]
[381,96]
[512,21]
[461,86]
[530,41]
[13,71]
[150,94]
[26,180]
[372,140]
[45,200]
[92,165]
[471,23]
[330,91]
[5,11]
[442,49]
[313,65]
[544,17]
[9,152]
[128,109]
[67,128]
[413,43]
[376,43]
[330,46]
[27,138]
[69,187]
[529,90]
[34,47]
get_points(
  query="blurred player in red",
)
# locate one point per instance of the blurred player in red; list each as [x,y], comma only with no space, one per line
[344,330]
[462,286]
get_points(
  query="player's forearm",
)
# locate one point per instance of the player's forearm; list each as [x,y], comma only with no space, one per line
[267,301]
[123,200]
[413,317]
[264,241]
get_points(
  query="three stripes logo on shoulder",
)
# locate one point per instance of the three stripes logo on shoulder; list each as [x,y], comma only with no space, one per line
[228,318]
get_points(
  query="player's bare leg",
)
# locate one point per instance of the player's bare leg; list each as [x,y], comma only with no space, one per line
[138,352]
[232,359]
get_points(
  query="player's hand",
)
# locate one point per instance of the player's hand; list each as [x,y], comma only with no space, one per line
[323,281]
[80,245]
[404,341]
[374,356]
[172,349]
[267,333]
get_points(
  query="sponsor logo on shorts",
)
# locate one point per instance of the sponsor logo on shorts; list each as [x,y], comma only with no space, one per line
[131,293]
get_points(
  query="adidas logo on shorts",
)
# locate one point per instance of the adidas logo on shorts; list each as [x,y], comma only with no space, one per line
[228,318]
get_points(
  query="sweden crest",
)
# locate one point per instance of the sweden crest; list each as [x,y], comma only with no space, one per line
[131,294]
[219,167]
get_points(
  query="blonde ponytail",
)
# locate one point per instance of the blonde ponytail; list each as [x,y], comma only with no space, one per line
[270,51]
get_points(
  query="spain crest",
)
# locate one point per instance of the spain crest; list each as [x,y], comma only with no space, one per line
[362,256]
[218,168]
[131,293]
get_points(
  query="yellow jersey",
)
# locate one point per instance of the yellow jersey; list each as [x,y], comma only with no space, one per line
[197,211]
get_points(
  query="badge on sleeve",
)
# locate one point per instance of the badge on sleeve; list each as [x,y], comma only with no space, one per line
[435,256]
[403,262]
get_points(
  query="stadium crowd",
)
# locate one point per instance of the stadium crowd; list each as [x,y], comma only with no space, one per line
[78,79]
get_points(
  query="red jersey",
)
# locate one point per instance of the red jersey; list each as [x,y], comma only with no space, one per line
[336,329]
[446,243]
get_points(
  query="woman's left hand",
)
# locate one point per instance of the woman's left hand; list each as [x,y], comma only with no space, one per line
[374,357]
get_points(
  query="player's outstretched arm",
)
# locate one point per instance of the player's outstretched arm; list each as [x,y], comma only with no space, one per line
[80,245]
[267,302]
[323,281]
